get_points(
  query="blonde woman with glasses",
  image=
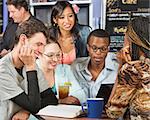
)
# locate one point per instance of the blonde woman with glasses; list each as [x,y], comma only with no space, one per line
[59,74]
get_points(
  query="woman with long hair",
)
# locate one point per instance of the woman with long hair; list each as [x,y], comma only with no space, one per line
[131,96]
[68,32]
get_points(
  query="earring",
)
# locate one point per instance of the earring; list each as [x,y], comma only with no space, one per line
[55,25]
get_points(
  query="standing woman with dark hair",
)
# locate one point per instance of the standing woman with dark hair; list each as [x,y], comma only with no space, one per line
[66,30]
[131,97]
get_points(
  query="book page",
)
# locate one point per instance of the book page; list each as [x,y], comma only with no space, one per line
[61,110]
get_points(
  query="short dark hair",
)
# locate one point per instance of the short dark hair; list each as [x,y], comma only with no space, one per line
[29,28]
[18,4]
[99,33]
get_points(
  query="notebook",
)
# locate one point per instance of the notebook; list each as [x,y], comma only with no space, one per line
[61,110]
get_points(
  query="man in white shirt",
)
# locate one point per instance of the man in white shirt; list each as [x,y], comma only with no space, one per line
[97,73]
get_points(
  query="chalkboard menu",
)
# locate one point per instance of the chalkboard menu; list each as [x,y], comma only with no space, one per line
[118,14]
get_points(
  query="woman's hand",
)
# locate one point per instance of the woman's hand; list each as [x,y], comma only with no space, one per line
[123,55]
[70,100]
[21,115]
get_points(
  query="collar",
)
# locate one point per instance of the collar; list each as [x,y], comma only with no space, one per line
[111,61]
[84,64]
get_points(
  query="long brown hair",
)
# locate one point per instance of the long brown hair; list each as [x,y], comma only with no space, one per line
[138,32]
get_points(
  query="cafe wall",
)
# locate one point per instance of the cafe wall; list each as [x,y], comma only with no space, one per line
[118,13]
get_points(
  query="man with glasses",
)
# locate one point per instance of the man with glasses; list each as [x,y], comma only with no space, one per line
[97,73]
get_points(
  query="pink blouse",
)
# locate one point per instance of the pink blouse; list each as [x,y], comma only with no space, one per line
[68,58]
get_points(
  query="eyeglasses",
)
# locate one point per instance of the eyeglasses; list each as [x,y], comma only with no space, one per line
[52,55]
[101,49]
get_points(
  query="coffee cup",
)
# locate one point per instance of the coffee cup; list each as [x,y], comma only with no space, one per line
[93,107]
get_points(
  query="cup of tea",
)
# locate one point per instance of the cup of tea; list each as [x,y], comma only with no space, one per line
[94,107]
[63,91]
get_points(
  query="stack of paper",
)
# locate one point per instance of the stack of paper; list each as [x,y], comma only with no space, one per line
[61,110]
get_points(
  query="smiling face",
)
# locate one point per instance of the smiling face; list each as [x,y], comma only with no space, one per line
[37,42]
[66,20]
[34,43]
[98,49]
[52,56]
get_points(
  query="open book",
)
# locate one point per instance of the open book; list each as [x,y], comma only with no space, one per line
[61,110]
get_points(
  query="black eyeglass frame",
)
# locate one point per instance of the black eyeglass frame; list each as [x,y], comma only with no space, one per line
[103,49]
